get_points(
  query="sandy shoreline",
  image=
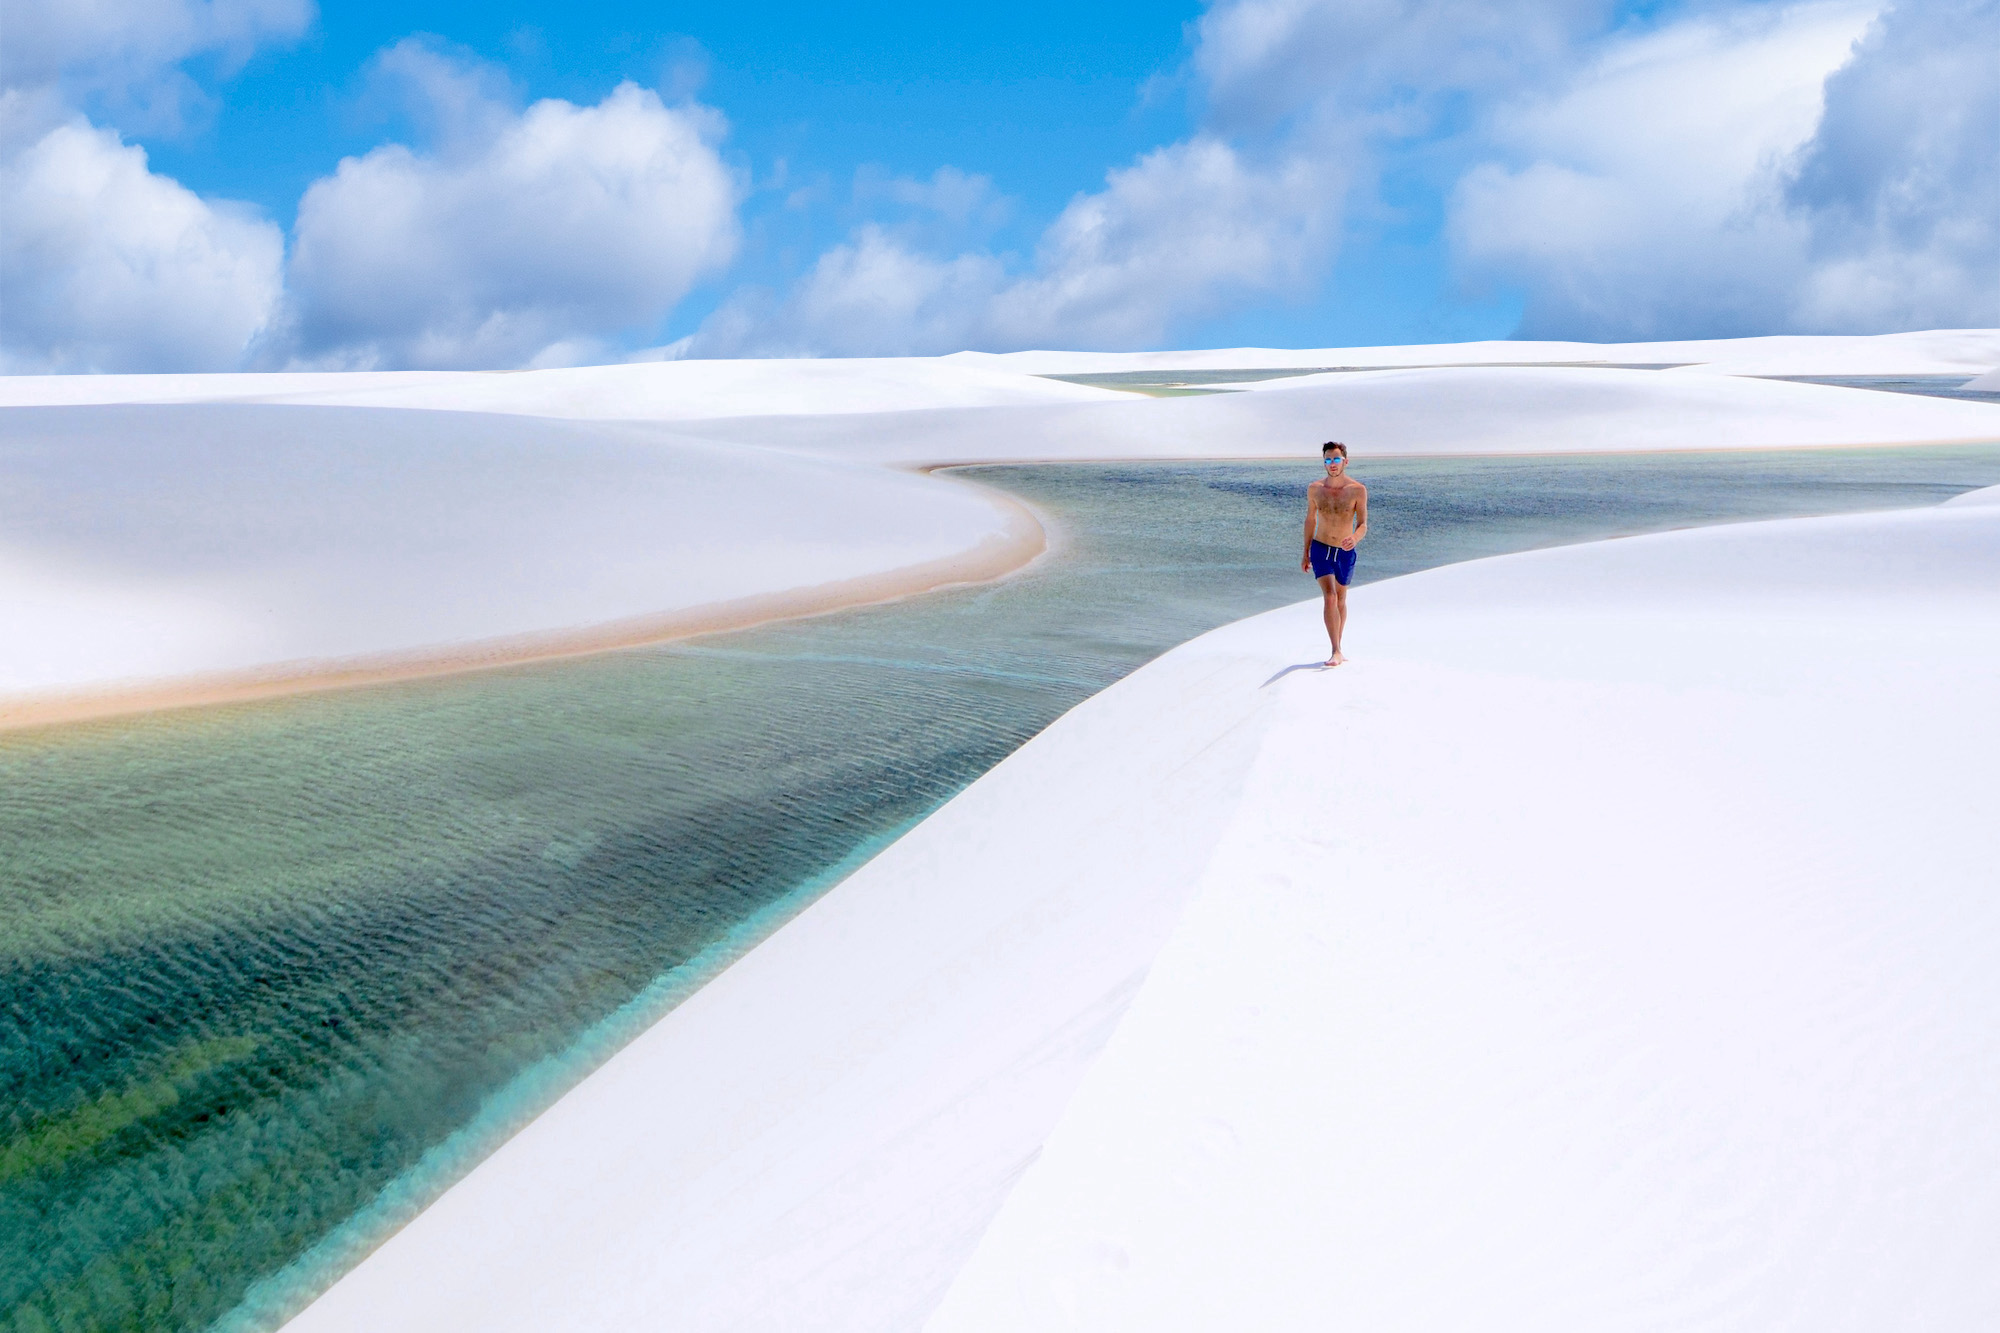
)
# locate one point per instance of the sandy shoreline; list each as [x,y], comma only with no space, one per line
[994,557]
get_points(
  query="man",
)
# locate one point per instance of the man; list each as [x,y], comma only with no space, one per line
[1336,521]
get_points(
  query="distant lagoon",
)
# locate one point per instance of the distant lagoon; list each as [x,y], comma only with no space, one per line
[273,974]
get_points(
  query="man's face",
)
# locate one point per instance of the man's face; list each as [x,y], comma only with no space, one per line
[1335,465]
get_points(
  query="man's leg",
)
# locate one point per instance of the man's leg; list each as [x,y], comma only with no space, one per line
[1339,618]
[1333,603]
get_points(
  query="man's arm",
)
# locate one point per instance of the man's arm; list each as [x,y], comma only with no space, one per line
[1305,556]
[1360,519]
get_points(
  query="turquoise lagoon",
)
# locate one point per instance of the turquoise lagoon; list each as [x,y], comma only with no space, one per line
[273,974]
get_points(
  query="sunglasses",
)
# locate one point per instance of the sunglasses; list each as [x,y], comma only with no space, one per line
[1335,462]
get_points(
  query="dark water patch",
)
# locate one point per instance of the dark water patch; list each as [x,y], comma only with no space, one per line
[1171,383]
[1927,386]
[1167,383]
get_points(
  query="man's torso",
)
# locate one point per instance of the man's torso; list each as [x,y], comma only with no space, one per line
[1334,506]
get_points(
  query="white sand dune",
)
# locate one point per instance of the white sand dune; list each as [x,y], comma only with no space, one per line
[1640,976]
[648,391]
[1609,947]
[1933,352]
[227,546]
[1441,411]
[1989,495]
[697,390]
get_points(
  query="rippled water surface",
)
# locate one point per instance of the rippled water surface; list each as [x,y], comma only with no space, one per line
[271,974]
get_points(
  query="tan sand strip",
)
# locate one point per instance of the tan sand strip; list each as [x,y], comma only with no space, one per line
[994,557]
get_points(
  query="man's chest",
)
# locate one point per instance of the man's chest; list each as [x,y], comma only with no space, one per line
[1336,499]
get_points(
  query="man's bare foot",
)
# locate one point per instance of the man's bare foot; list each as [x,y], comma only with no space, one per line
[1338,659]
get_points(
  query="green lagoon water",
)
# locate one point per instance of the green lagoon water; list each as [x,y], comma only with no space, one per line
[273,974]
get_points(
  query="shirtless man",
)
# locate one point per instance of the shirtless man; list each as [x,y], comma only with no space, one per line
[1336,521]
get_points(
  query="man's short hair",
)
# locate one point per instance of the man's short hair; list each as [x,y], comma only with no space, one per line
[1333,446]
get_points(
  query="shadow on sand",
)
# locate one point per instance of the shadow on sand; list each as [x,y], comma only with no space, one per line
[1296,666]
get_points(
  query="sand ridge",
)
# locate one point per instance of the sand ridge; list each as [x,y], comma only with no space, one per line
[1013,547]
[167,556]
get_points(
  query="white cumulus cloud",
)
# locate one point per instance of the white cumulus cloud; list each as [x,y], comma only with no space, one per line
[1900,186]
[521,235]
[1645,194]
[105,265]
[872,295]
[1371,65]
[1183,232]
[48,39]
[126,53]
[1820,167]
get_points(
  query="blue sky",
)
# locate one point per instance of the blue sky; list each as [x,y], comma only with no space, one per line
[460,184]
[1040,96]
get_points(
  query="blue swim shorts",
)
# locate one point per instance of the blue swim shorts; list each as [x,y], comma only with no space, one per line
[1332,560]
